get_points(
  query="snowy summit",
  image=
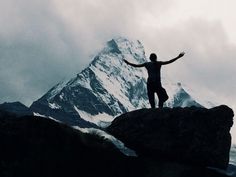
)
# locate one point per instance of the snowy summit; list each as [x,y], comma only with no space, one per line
[107,88]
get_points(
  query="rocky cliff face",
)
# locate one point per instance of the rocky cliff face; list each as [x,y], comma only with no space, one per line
[192,135]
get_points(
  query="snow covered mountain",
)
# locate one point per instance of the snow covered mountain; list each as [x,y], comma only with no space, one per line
[107,88]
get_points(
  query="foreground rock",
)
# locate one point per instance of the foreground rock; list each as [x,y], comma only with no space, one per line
[196,136]
[40,147]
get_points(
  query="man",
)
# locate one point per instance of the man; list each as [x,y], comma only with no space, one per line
[154,78]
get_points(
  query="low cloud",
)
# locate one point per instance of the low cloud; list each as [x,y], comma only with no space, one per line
[37,50]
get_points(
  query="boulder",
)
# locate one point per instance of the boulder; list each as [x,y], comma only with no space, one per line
[36,146]
[40,147]
[196,136]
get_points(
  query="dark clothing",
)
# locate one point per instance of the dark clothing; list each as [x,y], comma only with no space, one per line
[154,84]
[154,71]
[153,88]
[154,78]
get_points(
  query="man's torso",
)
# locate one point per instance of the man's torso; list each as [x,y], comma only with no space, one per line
[154,72]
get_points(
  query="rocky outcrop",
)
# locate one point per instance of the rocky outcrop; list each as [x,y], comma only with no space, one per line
[35,146]
[196,136]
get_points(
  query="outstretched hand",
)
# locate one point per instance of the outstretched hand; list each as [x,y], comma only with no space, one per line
[125,61]
[181,54]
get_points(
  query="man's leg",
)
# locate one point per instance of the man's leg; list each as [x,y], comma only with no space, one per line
[160,104]
[151,96]
[162,96]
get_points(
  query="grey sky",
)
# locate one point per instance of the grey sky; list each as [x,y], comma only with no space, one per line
[44,41]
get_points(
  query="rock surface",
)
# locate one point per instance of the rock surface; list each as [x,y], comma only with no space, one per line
[197,136]
[39,147]
[36,146]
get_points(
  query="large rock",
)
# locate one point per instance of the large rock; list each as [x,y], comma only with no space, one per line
[40,147]
[36,146]
[196,136]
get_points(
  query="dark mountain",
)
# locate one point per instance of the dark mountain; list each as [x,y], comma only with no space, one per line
[16,108]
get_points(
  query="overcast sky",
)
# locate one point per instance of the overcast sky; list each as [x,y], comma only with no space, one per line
[45,41]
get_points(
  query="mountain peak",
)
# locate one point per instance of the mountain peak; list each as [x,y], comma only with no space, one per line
[124,47]
[113,46]
[106,88]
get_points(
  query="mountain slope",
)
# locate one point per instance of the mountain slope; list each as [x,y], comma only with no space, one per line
[106,88]
[15,108]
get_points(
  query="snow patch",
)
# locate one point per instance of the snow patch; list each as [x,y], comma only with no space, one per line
[101,119]
[54,106]
[47,117]
[39,115]
[120,145]
[55,90]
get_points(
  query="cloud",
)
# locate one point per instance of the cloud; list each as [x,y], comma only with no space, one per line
[43,42]
[96,21]
[36,49]
[209,62]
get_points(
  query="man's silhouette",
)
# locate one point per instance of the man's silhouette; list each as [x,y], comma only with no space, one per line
[154,78]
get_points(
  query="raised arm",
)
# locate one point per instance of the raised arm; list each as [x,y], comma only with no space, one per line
[172,60]
[134,65]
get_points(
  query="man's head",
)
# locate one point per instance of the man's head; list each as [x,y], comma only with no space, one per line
[153,57]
